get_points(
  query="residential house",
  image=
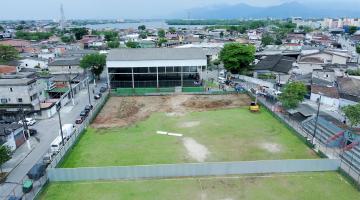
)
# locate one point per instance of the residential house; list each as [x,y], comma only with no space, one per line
[308,62]
[12,135]
[69,65]
[329,95]
[20,90]
[295,38]
[254,34]
[277,65]
[33,63]
[6,69]
[18,44]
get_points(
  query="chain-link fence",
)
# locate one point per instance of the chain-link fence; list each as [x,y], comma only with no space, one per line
[348,166]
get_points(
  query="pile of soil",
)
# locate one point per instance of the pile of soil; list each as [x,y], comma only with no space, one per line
[128,109]
[207,104]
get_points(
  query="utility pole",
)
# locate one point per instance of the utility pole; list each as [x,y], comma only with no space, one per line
[316,120]
[26,128]
[70,87]
[88,87]
[58,108]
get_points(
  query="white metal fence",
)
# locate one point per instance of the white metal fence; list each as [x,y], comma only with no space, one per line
[38,184]
[191,169]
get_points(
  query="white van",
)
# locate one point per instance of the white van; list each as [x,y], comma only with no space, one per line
[68,130]
[56,145]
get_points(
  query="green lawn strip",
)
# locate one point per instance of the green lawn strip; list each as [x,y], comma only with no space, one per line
[229,135]
[294,186]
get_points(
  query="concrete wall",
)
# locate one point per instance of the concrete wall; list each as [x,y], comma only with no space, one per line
[335,103]
[306,68]
[65,70]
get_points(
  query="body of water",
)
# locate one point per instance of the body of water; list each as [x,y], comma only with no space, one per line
[151,24]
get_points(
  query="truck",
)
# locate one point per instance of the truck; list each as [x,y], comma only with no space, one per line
[56,145]
[68,130]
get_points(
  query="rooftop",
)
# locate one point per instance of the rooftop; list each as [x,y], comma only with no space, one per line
[4,128]
[325,91]
[16,81]
[276,63]
[156,54]
[66,62]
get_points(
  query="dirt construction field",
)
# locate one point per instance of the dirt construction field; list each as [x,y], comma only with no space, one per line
[124,111]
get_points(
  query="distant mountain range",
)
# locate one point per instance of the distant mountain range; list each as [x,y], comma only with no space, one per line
[292,9]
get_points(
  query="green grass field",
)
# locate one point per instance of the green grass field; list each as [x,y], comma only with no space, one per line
[300,186]
[229,135]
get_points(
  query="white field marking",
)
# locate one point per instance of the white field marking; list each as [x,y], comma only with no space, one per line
[175,134]
[161,132]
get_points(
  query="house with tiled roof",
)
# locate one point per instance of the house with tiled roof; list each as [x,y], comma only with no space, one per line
[306,63]
[277,65]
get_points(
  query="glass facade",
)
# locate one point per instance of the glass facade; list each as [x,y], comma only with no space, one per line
[171,76]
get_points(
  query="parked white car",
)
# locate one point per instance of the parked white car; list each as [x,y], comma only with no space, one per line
[28,121]
[221,80]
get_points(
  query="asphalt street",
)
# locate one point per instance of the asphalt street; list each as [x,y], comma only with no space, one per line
[48,130]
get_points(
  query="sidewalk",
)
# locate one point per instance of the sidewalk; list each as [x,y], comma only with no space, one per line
[18,156]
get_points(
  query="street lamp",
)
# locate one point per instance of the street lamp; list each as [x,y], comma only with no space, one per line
[58,108]
[317,117]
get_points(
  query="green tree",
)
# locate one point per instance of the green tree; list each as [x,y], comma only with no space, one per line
[161,33]
[292,94]
[33,35]
[237,57]
[1,28]
[267,39]
[8,53]
[94,62]
[111,35]
[5,155]
[80,32]
[143,35]
[113,44]
[358,49]
[172,30]
[132,44]
[278,41]
[352,112]
[352,30]
[161,41]
[142,27]
[67,38]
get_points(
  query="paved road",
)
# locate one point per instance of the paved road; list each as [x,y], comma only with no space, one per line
[48,130]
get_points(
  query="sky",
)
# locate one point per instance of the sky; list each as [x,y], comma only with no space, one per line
[125,9]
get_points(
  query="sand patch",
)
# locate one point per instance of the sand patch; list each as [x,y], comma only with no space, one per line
[271,147]
[189,124]
[195,150]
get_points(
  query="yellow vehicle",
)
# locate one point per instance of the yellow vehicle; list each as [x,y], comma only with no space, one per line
[254,107]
